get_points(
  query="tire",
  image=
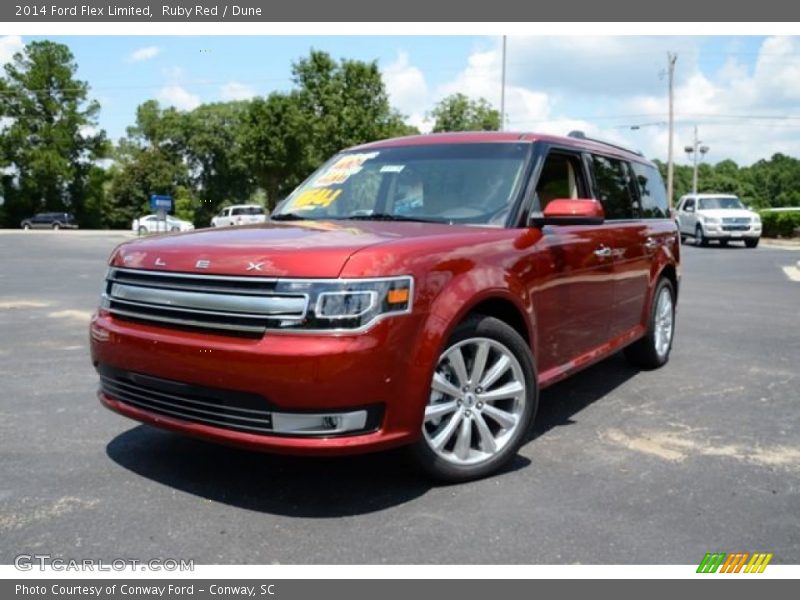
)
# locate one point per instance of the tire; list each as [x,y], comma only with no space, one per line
[699,237]
[652,351]
[26,226]
[474,436]
[142,230]
[683,239]
[174,229]
[56,226]
[752,243]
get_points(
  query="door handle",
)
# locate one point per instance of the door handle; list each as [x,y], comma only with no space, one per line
[603,252]
[651,244]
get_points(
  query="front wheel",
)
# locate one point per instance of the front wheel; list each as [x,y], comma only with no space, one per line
[751,243]
[700,237]
[652,351]
[482,401]
[56,226]
[26,226]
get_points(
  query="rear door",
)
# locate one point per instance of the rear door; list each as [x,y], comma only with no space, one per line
[573,302]
[631,244]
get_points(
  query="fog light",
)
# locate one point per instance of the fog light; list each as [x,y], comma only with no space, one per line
[319,424]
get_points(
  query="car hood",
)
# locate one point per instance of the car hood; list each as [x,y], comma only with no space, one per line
[296,249]
[729,213]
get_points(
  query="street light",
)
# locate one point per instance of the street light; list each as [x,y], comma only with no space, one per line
[692,152]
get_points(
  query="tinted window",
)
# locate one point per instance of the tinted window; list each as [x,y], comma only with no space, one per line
[688,204]
[248,210]
[722,202]
[559,178]
[613,187]
[652,196]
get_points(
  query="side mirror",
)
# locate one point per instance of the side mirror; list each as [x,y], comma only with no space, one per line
[570,211]
[689,209]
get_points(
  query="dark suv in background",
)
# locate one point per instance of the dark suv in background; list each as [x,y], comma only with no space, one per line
[50,220]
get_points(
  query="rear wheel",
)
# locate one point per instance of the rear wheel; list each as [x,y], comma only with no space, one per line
[482,401]
[751,243]
[26,226]
[56,226]
[142,230]
[652,351]
[700,237]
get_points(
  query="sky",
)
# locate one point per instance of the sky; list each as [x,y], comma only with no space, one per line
[742,92]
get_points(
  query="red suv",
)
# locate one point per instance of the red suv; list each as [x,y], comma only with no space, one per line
[417,291]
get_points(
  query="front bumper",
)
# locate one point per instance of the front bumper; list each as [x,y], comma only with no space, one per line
[719,232]
[291,374]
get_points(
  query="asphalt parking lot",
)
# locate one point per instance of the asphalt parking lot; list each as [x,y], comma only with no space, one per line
[622,466]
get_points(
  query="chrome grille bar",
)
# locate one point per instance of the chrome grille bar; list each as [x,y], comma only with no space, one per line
[245,305]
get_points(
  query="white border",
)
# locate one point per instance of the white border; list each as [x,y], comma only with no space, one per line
[265,573]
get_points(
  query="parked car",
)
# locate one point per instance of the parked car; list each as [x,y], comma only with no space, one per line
[240,214]
[344,326]
[152,224]
[50,220]
[721,217]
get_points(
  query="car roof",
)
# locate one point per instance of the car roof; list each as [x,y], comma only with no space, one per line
[477,137]
[701,196]
[244,206]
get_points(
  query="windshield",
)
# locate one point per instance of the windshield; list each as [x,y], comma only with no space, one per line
[445,183]
[720,202]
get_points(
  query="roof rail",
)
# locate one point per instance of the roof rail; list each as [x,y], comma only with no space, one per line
[579,135]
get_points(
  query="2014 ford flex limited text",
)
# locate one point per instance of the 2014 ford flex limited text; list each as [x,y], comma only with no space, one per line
[417,291]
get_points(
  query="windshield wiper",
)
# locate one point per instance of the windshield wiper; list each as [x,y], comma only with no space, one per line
[290,216]
[390,217]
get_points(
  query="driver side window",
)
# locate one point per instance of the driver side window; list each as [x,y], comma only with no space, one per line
[560,178]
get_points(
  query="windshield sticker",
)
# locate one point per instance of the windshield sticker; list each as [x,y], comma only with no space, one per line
[314,198]
[342,169]
[392,168]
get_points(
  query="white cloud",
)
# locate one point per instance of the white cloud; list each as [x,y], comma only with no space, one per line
[142,54]
[407,89]
[236,91]
[603,85]
[9,45]
[177,96]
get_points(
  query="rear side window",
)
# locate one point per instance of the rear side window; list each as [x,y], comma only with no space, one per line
[248,210]
[613,187]
[652,196]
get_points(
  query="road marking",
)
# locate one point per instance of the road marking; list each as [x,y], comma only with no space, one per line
[792,273]
[14,304]
[77,315]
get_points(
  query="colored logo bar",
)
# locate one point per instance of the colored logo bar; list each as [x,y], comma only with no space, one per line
[734,563]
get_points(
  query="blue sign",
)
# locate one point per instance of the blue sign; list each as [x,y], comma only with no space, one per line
[160,202]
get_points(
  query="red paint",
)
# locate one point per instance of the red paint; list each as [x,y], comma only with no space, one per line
[578,308]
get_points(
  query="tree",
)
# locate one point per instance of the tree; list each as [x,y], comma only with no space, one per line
[50,143]
[458,113]
[343,103]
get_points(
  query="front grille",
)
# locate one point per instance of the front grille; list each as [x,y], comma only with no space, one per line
[735,227]
[736,220]
[220,408]
[238,305]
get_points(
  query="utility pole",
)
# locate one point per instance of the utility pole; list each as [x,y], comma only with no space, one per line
[671,58]
[693,151]
[503,90]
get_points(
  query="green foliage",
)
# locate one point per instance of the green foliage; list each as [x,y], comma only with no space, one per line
[50,143]
[458,113]
[780,224]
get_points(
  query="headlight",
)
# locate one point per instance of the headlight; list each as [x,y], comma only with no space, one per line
[348,303]
[756,219]
[710,220]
